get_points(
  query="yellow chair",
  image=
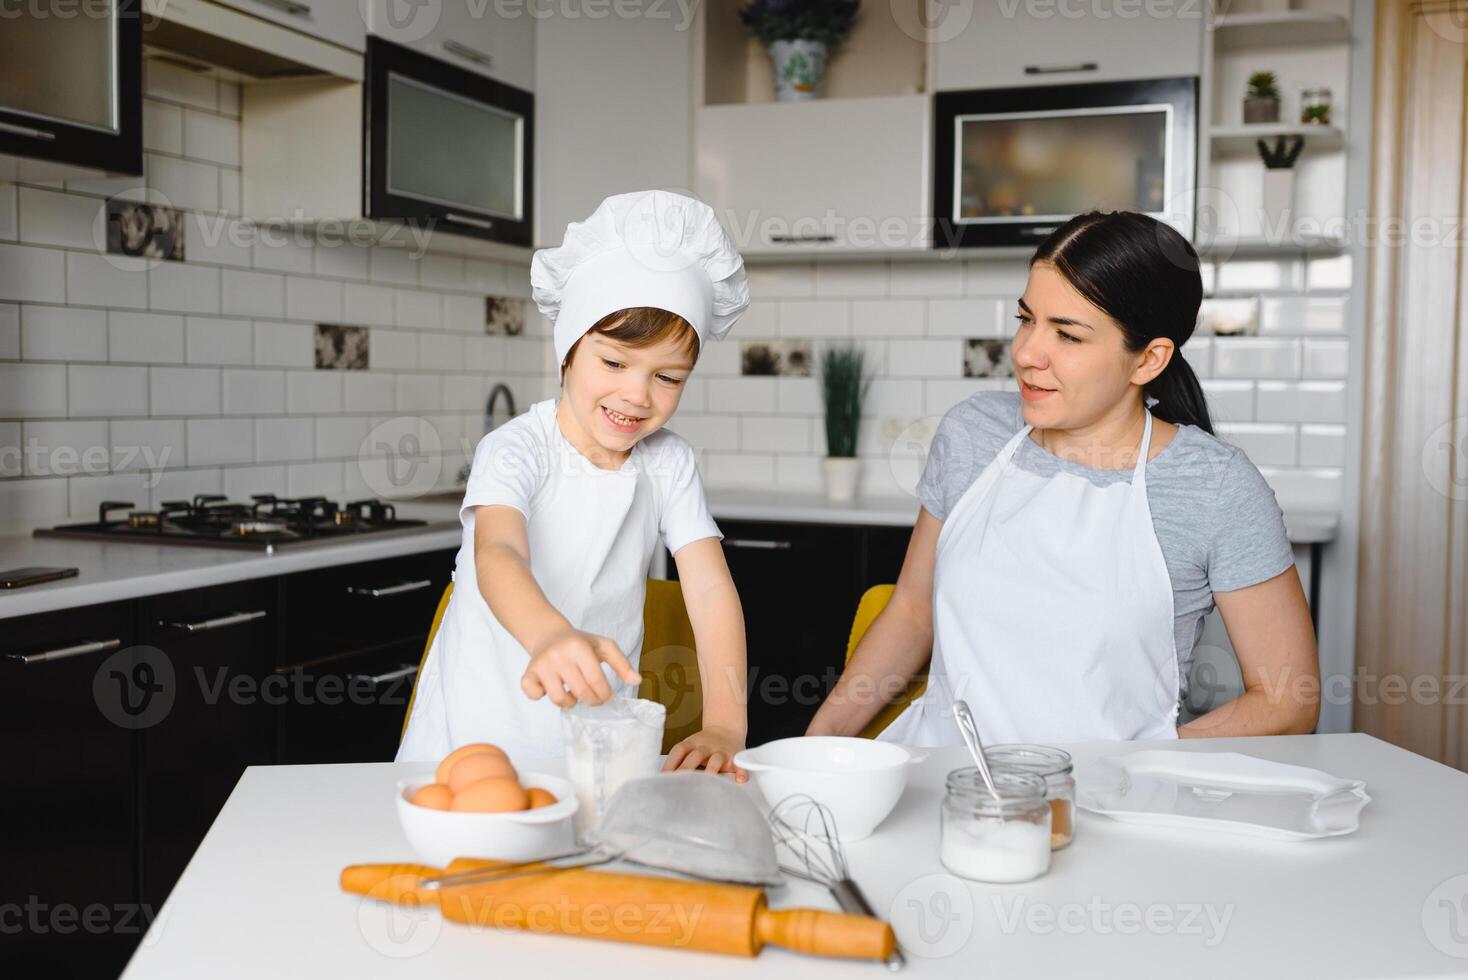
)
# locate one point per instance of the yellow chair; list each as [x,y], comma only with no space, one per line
[873,601]
[668,665]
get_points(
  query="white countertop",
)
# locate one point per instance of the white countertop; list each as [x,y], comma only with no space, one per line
[109,572]
[260,897]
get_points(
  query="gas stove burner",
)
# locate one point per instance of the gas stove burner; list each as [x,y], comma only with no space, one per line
[344,517]
[143,518]
[245,529]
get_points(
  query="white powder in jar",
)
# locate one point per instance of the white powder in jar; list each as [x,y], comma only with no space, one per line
[995,850]
[608,745]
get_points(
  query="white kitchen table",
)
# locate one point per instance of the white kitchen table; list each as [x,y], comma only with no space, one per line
[260,898]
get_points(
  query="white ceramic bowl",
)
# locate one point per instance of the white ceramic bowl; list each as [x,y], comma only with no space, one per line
[858,779]
[439,836]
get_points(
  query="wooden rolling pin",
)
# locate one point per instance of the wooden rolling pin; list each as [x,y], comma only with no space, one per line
[716,918]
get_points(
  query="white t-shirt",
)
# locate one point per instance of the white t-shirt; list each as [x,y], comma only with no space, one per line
[592,535]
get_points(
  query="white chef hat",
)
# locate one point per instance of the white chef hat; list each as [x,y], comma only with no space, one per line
[646,248]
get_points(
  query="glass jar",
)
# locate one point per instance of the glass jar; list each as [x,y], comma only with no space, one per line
[995,839]
[1056,768]
[1315,101]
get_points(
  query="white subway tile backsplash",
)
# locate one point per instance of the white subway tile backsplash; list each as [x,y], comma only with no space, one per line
[798,396]
[798,473]
[184,391]
[887,318]
[249,293]
[229,98]
[29,391]
[318,300]
[436,271]
[9,331]
[529,355]
[9,212]
[340,260]
[1327,358]
[308,479]
[493,278]
[393,349]
[1266,444]
[168,82]
[369,391]
[723,359]
[462,393]
[1229,401]
[62,333]
[738,470]
[910,358]
[64,448]
[36,501]
[12,460]
[106,392]
[790,281]
[738,395]
[147,445]
[941,395]
[1249,357]
[371,305]
[893,397]
[1315,488]
[707,431]
[66,220]
[1004,278]
[106,280]
[847,280]
[283,440]
[927,279]
[313,392]
[217,441]
[184,288]
[278,250]
[242,482]
[145,338]
[419,393]
[253,392]
[285,344]
[183,183]
[36,275]
[80,496]
[463,313]
[1198,352]
[1322,445]
[1305,401]
[162,127]
[772,434]
[815,318]
[1332,272]
[968,318]
[229,190]
[1258,275]
[441,352]
[1302,314]
[184,484]
[341,437]
[218,239]
[213,340]
[419,310]
[210,137]
[392,265]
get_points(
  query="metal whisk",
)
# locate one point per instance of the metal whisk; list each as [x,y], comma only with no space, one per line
[807,847]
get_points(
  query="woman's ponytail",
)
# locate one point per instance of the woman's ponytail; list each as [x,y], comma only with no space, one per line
[1145,276]
[1180,398]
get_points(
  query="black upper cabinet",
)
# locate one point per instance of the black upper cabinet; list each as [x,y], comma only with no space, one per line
[446,145]
[71,87]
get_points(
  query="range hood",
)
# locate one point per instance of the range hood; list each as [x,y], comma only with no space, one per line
[200,33]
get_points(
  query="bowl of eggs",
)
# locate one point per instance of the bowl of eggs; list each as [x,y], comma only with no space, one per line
[475,804]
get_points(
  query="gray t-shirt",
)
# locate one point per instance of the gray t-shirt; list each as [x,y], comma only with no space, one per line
[1216,518]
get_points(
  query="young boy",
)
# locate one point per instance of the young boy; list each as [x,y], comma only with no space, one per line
[566,503]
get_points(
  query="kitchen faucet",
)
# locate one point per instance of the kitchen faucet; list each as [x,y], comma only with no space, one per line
[489,426]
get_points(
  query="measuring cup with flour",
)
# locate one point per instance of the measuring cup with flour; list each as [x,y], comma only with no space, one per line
[607,745]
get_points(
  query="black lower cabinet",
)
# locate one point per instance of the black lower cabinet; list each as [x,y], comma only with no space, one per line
[215,647]
[800,585]
[69,696]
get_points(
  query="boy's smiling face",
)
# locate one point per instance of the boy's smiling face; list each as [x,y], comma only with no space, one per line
[614,394]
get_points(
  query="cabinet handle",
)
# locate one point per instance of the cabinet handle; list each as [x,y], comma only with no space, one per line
[61,653]
[1060,69]
[1038,232]
[387,678]
[398,589]
[757,543]
[468,53]
[35,134]
[800,239]
[293,7]
[219,622]
[465,219]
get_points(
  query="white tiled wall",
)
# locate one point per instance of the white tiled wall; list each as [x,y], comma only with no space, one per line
[1280,395]
[132,380]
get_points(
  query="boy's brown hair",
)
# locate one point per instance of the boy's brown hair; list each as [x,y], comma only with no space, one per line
[641,326]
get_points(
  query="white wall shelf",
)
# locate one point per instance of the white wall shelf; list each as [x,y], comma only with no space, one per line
[1240,139]
[1286,28]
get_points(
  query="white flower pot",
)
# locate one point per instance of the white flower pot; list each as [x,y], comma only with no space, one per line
[799,66]
[1277,202]
[842,473]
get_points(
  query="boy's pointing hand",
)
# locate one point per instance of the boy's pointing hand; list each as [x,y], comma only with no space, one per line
[567,669]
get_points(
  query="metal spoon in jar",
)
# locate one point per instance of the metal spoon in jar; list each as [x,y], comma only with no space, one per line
[970,733]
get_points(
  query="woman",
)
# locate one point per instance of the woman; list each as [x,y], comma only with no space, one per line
[1071,541]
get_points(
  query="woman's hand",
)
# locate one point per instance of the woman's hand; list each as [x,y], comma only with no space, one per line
[712,749]
[567,669]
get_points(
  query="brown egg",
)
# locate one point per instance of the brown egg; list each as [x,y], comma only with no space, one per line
[493,795]
[435,796]
[480,765]
[450,760]
[539,797]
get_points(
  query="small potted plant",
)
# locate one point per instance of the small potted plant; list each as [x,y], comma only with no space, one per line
[1279,177]
[1261,102]
[844,384]
[799,35]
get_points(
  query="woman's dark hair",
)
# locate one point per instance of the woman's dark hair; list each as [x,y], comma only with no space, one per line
[1144,275]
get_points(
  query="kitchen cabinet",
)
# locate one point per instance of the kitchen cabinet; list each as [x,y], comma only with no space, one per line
[799,585]
[847,175]
[68,811]
[71,86]
[626,105]
[329,20]
[496,40]
[217,643]
[353,639]
[999,45]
